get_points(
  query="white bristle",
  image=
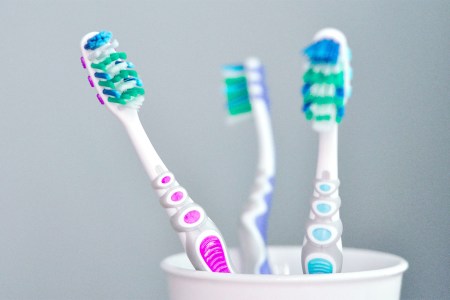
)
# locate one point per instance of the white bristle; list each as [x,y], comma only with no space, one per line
[113,69]
[103,51]
[125,85]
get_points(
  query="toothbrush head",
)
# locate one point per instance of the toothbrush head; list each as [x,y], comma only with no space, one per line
[117,83]
[244,83]
[327,78]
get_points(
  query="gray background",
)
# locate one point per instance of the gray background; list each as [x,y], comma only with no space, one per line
[78,219]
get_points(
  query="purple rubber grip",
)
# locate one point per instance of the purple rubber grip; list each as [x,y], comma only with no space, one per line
[213,254]
[83,63]
[100,99]
[90,81]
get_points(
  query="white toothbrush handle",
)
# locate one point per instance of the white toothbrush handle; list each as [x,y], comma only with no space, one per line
[322,247]
[253,227]
[255,214]
[200,237]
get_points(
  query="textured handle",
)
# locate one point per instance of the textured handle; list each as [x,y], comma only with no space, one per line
[200,237]
[322,251]
[253,227]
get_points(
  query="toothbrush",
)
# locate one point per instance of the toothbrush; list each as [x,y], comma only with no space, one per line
[120,90]
[325,91]
[246,92]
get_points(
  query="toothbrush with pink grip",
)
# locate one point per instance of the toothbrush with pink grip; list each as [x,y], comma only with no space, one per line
[120,90]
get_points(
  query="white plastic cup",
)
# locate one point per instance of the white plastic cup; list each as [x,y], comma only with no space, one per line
[366,274]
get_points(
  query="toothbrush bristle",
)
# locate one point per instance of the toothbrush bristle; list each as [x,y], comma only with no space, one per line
[325,51]
[326,82]
[238,100]
[113,74]
[98,40]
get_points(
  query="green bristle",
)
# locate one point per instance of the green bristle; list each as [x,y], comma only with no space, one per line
[239,109]
[117,100]
[108,60]
[323,100]
[134,92]
[125,96]
[313,77]
[99,66]
[128,95]
[323,118]
[235,80]
[117,78]
[237,94]
[118,55]
[124,74]
[107,83]
[127,73]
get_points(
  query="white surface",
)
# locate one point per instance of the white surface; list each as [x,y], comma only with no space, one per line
[366,274]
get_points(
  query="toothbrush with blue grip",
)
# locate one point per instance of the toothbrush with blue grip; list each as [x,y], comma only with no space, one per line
[121,91]
[246,92]
[326,91]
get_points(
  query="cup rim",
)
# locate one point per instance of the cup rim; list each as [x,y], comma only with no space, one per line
[396,269]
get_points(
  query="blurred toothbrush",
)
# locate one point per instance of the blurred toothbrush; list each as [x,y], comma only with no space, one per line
[120,90]
[326,91]
[246,92]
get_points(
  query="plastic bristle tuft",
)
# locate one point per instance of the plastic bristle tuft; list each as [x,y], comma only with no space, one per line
[236,91]
[326,81]
[117,77]
[323,52]
[98,40]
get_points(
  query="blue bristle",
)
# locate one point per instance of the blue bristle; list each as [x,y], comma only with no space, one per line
[305,89]
[306,106]
[325,51]
[113,93]
[235,68]
[130,64]
[340,112]
[98,40]
[138,81]
[340,92]
[102,75]
[235,88]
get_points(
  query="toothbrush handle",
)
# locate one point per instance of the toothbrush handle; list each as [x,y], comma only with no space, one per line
[322,248]
[200,237]
[203,243]
[253,227]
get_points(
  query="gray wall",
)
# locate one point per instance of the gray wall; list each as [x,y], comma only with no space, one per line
[78,219]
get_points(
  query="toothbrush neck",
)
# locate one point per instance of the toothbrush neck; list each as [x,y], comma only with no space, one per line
[328,153]
[266,160]
[150,159]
